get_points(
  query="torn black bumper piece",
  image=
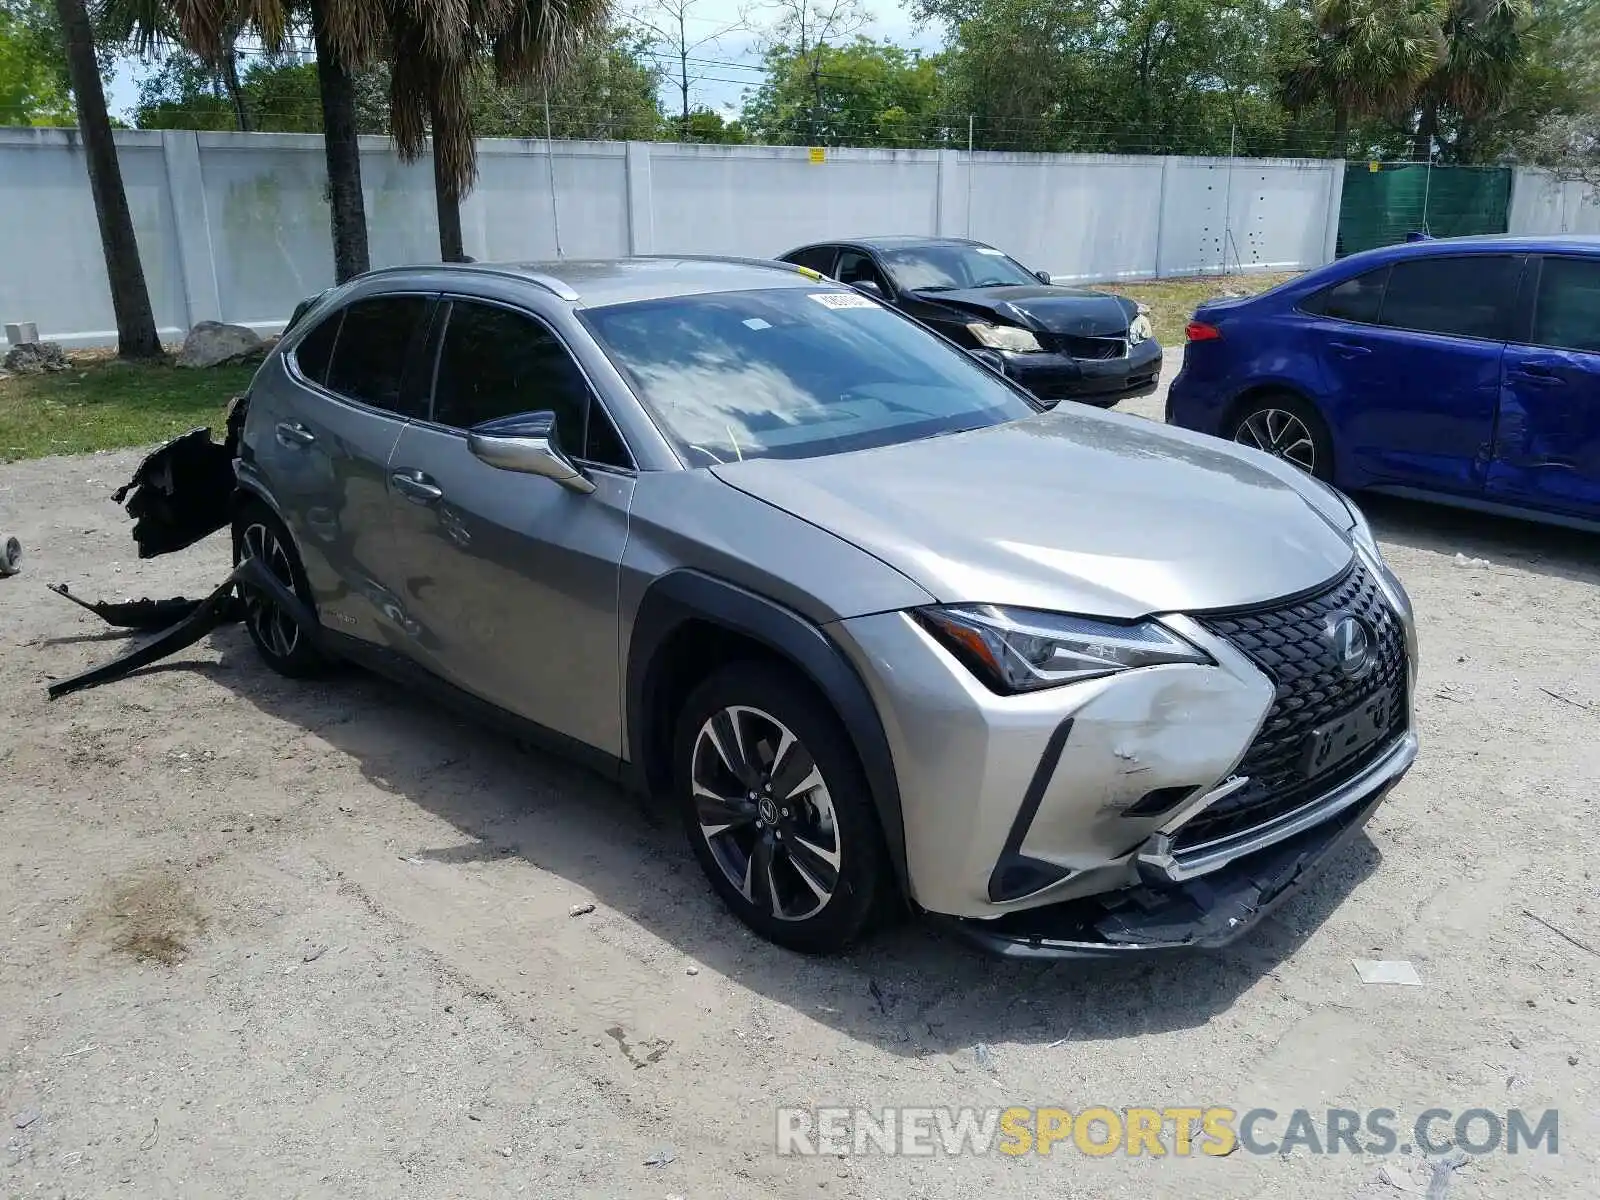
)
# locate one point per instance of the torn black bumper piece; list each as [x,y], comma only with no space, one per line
[140,614]
[1202,913]
[180,493]
[221,607]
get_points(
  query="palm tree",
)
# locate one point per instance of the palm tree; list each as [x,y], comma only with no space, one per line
[434,59]
[348,35]
[431,49]
[130,298]
[1484,50]
[1364,58]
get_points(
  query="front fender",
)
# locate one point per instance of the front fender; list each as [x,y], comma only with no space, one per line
[687,596]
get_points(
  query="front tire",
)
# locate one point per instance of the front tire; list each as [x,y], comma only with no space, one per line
[282,644]
[776,808]
[1287,427]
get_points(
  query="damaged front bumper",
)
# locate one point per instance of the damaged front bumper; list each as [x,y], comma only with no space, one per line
[1202,913]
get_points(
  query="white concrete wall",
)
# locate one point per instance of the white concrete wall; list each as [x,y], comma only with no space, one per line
[234,227]
[1540,203]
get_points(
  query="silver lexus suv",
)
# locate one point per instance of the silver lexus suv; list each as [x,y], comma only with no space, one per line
[882,631]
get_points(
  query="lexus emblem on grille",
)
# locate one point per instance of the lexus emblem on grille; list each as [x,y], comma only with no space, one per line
[1352,645]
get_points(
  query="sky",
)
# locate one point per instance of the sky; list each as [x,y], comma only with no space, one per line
[726,69]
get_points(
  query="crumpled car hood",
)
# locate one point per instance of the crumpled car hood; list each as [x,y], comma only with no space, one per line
[1075,511]
[1072,311]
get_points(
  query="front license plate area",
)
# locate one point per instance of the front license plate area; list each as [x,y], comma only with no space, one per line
[1344,737]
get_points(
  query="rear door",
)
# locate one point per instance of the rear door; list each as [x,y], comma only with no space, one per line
[1411,358]
[327,461]
[510,580]
[1547,452]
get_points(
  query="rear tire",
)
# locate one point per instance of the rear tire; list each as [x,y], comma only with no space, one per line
[776,808]
[282,644]
[1285,426]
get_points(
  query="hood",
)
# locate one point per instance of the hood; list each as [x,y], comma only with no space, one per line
[1093,513]
[1074,311]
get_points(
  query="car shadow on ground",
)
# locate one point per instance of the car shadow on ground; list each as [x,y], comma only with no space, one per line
[909,989]
[1501,541]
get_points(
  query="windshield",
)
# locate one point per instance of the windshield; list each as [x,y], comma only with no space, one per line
[946,267]
[794,373]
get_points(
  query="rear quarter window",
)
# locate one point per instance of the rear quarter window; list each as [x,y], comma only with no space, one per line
[1359,299]
[315,350]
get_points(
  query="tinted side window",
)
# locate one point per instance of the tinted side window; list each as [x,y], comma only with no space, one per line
[1566,313]
[315,350]
[1463,297]
[497,363]
[856,267]
[370,359]
[817,258]
[1357,299]
[602,443]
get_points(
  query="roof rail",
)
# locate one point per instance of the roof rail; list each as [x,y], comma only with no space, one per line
[549,283]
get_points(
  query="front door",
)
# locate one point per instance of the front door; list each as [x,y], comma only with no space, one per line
[1547,450]
[1411,365]
[510,580]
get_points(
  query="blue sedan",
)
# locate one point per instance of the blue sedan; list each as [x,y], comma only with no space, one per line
[1463,370]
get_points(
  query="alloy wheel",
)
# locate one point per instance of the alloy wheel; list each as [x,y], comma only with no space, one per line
[274,628]
[765,811]
[1281,434]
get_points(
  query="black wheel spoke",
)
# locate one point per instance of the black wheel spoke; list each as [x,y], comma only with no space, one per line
[794,771]
[759,887]
[719,814]
[728,739]
[817,868]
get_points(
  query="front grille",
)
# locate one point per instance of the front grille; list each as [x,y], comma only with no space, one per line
[1100,349]
[1292,644]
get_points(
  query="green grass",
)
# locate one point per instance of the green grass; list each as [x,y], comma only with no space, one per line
[103,404]
[1173,301]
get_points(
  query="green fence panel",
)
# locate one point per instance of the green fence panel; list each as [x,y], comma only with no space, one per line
[1380,207]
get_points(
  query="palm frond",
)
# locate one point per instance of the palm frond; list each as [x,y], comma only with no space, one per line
[543,36]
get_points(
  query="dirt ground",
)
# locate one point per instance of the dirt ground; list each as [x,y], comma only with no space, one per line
[270,939]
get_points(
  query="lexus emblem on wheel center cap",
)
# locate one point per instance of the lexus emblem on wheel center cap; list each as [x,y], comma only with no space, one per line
[767,811]
[1352,645]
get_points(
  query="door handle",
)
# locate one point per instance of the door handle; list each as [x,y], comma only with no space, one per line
[1348,349]
[292,434]
[1537,373]
[416,487]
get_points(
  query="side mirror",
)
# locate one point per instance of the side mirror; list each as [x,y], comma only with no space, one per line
[868,287]
[528,445]
[1044,277]
[989,358]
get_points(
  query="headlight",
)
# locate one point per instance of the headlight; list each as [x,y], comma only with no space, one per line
[1003,337]
[1023,650]
[1140,329]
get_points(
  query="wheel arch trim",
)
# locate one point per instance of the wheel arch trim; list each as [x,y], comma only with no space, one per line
[685,596]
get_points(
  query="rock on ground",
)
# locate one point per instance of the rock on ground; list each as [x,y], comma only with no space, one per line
[35,358]
[213,344]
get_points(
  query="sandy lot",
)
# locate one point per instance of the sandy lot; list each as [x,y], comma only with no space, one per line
[266,939]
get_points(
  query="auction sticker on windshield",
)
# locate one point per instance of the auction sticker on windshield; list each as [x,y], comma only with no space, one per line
[843,300]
